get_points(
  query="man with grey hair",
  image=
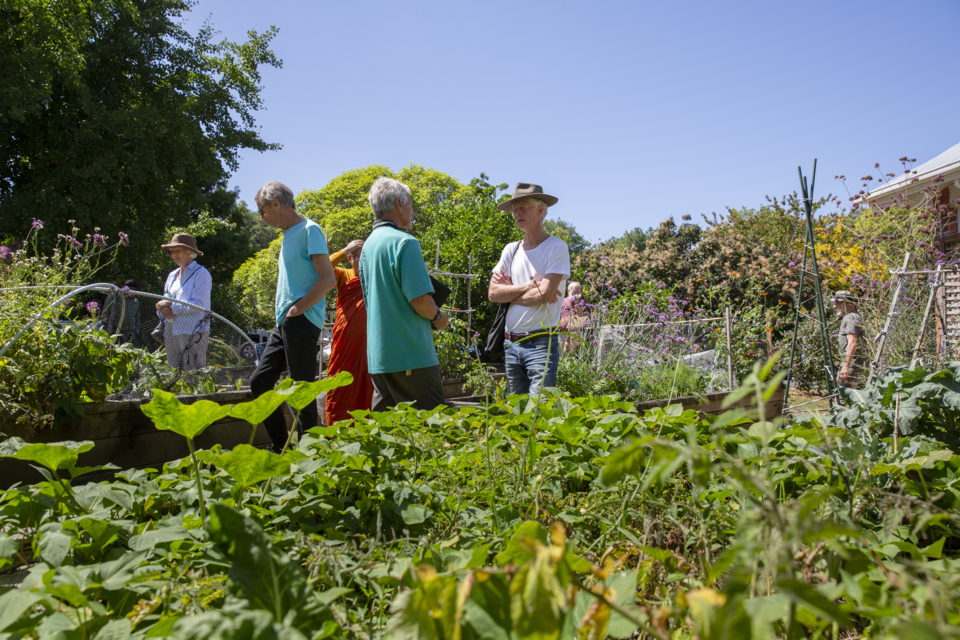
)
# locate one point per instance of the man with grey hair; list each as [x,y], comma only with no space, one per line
[305,276]
[531,276]
[401,311]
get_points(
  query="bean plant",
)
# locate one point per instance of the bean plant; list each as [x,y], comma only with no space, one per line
[553,518]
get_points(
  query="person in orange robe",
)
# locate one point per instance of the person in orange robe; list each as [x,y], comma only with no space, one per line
[348,349]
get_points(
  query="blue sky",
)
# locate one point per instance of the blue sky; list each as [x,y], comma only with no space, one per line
[628,112]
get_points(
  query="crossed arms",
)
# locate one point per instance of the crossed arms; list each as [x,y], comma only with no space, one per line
[525,294]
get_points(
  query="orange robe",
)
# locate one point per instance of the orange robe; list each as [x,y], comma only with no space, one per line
[348,349]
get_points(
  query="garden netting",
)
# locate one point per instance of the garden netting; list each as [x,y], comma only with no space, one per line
[196,352]
[642,353]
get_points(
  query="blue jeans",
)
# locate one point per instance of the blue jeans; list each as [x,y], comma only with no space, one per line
[527,365]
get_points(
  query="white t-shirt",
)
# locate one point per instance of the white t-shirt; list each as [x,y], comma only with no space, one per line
[551,256]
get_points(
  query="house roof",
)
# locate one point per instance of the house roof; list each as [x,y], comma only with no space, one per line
[946,162]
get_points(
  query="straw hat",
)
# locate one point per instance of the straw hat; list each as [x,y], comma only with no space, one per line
[845,296]
[184,240]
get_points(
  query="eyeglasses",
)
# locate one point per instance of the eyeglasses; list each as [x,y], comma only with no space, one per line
[260,210]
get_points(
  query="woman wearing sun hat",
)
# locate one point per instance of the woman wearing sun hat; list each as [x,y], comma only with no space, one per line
[186,330]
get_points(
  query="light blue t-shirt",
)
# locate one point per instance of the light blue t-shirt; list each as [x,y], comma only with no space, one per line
[297,273]
[392,273]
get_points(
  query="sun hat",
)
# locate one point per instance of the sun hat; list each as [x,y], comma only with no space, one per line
[847,296]
[527,190]
[184,240]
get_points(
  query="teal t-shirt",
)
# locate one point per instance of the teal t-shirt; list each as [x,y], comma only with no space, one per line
[297,273]
[392,273]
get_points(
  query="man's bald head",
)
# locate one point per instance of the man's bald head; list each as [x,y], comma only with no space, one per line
[573,288]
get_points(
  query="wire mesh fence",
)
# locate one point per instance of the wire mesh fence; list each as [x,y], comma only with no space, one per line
[196,351]
[908,327]
[903,320]
[643,354]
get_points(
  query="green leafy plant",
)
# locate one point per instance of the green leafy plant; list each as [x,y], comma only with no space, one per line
[532,517]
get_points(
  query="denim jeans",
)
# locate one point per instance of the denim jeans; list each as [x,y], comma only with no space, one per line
[527,366]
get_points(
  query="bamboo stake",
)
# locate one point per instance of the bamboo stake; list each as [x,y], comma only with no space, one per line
[469,298]
[926,316]
[896,425]
[726,313]
[436,262]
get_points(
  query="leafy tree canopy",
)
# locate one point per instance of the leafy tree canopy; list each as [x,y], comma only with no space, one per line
[635,239]
[342,208]
[113,116]
[562,229]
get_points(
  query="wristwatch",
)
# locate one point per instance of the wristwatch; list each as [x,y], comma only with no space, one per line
[437,317]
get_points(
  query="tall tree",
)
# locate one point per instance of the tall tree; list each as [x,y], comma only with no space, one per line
[560,228]
[114,116]
[342,209]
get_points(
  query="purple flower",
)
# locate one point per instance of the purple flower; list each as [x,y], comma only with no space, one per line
[92,307]
[99,240]
[36,224]
[124,240]
[75,243]
[792,264]
[605,258]
[4,252]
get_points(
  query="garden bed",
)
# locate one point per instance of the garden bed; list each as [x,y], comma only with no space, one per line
[712,403]
[124,436]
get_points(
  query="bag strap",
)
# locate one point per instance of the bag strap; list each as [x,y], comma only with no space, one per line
[182,284]
[512,253]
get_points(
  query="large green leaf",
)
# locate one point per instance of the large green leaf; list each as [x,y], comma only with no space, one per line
[115,630]
[249,465]
[150,539]
[267,578]
[807,596]
[537,602]
[415,613]
[303,393]
[624,461]
[916,629]
[14,603]
[188,420]
[520,547]
[256,411]
[54,547]
[54,456]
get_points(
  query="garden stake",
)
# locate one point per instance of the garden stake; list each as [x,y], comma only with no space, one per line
[293,428]
[726,314]
[926,316]
[196,471]
[888,325]
[810,247]
[896,425]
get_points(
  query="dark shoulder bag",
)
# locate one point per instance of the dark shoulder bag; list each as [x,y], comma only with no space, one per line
[495,337]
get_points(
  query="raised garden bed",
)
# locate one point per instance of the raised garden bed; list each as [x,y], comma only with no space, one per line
[124,436]
[711,403]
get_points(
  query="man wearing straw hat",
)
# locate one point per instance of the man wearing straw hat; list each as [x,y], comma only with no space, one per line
[852,366]
[305,276]
[532,277]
